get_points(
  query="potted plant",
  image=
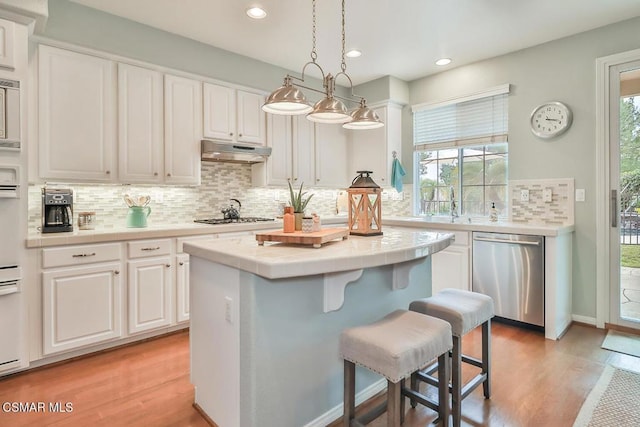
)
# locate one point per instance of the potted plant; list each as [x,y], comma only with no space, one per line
[299,204]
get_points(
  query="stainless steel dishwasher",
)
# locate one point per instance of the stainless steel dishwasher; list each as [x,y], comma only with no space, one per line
[510,269]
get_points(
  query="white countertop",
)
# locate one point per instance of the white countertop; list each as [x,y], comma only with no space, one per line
[38,240]
[482,224]
[279,260]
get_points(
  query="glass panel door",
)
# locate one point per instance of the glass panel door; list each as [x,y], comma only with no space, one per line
[625,180]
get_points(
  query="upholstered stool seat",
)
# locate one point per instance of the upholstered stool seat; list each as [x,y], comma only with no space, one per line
[464,311]
[395,347]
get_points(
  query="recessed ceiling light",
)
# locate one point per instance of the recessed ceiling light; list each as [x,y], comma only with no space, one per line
[353,53]
[256,13]
[443,61]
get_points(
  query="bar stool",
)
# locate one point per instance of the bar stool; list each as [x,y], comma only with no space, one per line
[395,346]
[464,310]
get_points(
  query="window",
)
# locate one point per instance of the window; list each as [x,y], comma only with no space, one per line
[461,154]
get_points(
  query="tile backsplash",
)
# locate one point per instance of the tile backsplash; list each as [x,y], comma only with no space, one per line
[559,211]
[178,205]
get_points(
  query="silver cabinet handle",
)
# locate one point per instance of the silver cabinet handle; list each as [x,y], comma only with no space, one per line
[614,208]
[83,255]
[150,249]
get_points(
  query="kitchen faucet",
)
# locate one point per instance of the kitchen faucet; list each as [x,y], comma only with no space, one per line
[454,207]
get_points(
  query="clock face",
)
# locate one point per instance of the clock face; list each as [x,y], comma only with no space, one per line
[550,119]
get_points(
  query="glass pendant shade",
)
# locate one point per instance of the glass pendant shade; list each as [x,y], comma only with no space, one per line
[329,110]
[288,100]
[363,118]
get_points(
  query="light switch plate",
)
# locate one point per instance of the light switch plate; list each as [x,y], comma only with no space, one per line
[524,195]
[580,195]
[547,195]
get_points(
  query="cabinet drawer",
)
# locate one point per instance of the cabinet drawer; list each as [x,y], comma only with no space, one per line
[145,248]
[78,255]
[182,240]
[462,238]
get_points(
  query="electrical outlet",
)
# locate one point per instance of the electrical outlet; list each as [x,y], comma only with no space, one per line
[524,195]
[547,195]
[228,309]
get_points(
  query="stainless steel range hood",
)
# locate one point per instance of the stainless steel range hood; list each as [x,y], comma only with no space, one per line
[213,151]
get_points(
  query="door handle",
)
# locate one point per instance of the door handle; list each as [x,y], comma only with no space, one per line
[614,208]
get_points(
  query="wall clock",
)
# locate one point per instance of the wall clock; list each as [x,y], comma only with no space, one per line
[550,119]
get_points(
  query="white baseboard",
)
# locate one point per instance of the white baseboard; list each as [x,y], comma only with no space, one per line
[584,319]
[336,412]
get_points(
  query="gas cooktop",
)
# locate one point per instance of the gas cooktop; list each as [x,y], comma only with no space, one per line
[215,221]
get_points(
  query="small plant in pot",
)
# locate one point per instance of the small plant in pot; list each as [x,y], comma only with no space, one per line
[299,204]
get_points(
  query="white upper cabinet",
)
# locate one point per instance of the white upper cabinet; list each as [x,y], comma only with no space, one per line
[303,142]
[373,149]
[182,129]
[331,156]
[233,115]
[140,125]
[76,115]
[292,140]
[6,44]
[250,117]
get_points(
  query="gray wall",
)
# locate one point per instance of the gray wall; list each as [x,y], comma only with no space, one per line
[562,70]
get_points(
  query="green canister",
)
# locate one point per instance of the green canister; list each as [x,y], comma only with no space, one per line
[137,216]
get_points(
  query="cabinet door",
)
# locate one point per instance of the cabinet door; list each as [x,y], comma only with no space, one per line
[219,112]
[82,305]
[251,118]
[279,164]
[331,156]
[149,293]
[303,149]
[369,150]
[182,130]
[140,121]
[182,288]
[76,108]
[6,44]
[450,269]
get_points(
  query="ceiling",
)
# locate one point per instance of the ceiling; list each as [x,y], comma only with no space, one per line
[399,38]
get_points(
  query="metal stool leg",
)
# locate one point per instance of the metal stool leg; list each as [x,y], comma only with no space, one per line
[486,358]
[349,393]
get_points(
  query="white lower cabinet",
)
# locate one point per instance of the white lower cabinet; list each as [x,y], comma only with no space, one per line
[450,268]
[182,288]
[150,281]
[82,305]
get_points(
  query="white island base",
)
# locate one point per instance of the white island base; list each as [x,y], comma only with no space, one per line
[264,350]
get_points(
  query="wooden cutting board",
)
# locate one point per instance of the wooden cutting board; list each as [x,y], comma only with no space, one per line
[316,238]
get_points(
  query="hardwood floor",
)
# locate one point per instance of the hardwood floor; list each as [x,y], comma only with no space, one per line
[536,382]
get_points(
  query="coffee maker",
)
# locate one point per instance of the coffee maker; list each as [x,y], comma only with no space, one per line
[57,210]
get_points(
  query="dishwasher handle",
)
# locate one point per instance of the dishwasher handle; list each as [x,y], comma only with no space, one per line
[515,242]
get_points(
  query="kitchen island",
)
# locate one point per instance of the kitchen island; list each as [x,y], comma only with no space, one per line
[265,320]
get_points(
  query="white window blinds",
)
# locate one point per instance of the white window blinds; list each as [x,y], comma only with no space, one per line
[478,119]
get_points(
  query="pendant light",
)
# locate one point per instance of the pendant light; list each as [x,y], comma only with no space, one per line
[289,99]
